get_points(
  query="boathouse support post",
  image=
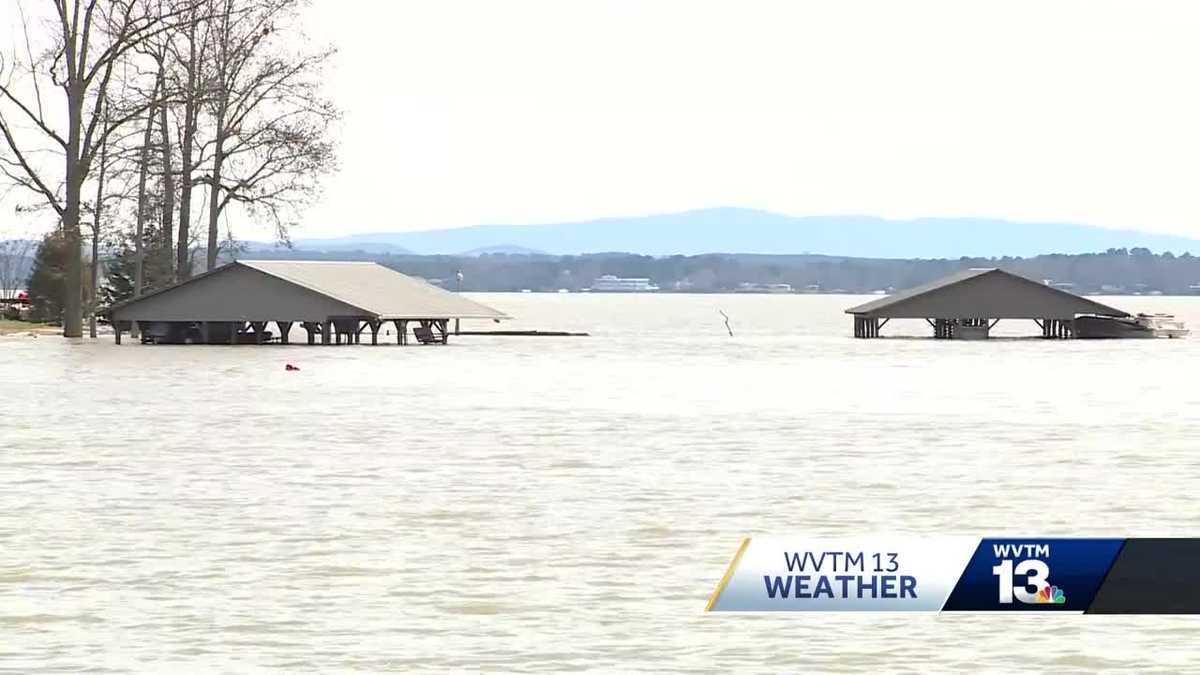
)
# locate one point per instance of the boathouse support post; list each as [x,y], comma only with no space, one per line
[205,333]
[375,324]
[285,327]
[116,331]
[327,330]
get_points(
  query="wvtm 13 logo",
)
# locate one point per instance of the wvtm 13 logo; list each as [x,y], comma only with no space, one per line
[1023,575]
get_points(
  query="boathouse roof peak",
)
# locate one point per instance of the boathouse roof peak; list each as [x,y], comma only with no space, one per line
[983,292]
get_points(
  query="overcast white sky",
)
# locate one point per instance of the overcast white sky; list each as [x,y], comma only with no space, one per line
[461,113]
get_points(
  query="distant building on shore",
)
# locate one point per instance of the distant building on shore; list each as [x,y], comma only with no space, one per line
[614,284]
[752,287]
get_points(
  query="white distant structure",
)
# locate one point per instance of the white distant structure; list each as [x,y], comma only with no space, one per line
[751,287]
[614,284]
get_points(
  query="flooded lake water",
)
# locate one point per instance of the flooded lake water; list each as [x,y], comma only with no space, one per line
[568,504]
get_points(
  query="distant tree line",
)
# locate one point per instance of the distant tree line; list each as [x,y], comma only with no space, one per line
[1114,271]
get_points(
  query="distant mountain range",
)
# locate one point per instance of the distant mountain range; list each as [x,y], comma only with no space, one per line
[737,230]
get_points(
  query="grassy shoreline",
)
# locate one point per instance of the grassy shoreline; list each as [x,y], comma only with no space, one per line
[10,327]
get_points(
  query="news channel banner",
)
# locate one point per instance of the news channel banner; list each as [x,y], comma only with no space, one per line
[962,574]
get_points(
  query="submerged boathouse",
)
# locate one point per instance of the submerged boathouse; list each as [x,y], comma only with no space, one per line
[236,303]
[967,304]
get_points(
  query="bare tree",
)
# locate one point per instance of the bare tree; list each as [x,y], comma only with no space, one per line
[190,82]
[89,39]
[270,124]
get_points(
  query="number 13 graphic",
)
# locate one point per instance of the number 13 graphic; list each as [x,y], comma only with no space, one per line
[1036,573]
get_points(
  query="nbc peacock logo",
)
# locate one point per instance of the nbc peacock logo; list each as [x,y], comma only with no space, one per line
[1051,595]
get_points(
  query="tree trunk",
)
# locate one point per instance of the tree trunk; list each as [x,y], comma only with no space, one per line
[168,205]
[214,194]
[97,213]
[94,272]
[222,93]
[139,252]
[72,304]
[191,104]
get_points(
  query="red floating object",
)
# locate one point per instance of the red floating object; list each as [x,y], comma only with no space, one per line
[291,367]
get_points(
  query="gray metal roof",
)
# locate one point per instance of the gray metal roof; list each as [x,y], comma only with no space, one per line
[262,290]
[983,293]
[375,288]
